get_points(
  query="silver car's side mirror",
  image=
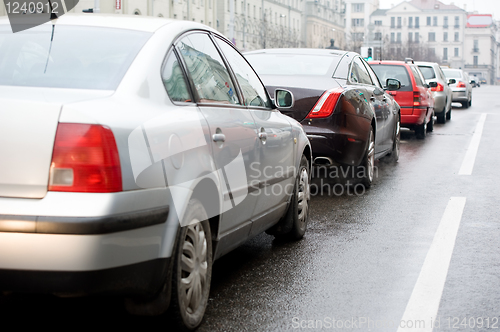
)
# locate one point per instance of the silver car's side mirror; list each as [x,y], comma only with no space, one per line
[283,98]
[452,81]
[433,84]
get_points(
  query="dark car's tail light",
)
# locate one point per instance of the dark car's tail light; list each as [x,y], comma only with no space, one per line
[461,84]
[438,88]
[416,98]
[326,104]
[85,159]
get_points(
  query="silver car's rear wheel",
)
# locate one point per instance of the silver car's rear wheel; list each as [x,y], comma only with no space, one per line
[192,268]
[369,161]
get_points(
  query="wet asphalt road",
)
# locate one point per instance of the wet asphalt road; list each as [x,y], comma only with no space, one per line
[362,254]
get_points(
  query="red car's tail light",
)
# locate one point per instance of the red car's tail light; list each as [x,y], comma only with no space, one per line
[439,87]
[461,85]
[416,98]
[326,104]
[85,159]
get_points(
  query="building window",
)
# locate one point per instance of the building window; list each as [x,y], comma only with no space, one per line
[457,21]
[445,54]
[435,21]
[476,46]
[417,22]
[399,22]
[378,22]
[456,37]
[358,36]
[358,7]
[445,36]
[410,22]
[358,22]
[410,37]
[393,22]
[475,60]
[378,35]
[456,51]
[393,40]
[399,38]
[417,37]
[445,22]
[428,20]
[432,36]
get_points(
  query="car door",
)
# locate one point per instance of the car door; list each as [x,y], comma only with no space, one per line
[233,134]
[276,145]
[389,113]
[359,76]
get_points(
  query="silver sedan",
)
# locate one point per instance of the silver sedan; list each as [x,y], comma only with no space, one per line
[135,151]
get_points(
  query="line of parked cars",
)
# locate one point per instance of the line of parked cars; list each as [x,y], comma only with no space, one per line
[136,151]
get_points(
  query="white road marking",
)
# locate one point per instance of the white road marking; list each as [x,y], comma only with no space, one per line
[422,308]
[470,155]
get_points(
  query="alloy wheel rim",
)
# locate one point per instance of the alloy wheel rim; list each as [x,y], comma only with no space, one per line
[303,196]
[371,157]
[398,138]
[194,266]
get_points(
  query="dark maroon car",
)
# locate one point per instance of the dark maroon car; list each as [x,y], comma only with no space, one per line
[348,117]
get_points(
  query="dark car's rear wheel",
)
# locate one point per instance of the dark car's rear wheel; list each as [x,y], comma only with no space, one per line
[368,165]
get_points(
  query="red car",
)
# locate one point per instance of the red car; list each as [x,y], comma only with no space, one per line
[414,97]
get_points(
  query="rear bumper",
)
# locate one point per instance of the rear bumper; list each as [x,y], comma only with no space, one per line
[459,96]
[137,279]
[343,139]
[439,102]
[415,118]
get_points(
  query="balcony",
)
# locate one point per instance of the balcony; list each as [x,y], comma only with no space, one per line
[475,50]
[457,26]
[445,27]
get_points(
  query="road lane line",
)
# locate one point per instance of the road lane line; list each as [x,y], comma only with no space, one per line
[422,308]
[470,155]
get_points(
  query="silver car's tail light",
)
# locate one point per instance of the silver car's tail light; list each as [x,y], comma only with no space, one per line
[326,104]
[85,159]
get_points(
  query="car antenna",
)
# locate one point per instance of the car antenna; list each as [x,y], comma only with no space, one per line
[53,16]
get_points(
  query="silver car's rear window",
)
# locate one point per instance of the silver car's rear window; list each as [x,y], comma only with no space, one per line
[428,72]
[292,64]
[68,56]
[451,73]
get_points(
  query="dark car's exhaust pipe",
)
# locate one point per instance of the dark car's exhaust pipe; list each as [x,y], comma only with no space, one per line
[323,161]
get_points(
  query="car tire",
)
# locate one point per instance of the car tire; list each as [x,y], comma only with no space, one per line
[470,102]
[421,131]
[192,272]
[396,143]
[430,124]
[448,115]
[368,164]
[441,117]
[297,215]
[465,104]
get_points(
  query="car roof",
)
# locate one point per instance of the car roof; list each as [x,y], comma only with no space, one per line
[129,22]
[426,63]
[389,62]
[312,51]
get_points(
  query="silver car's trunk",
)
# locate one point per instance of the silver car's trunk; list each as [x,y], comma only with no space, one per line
[28,124]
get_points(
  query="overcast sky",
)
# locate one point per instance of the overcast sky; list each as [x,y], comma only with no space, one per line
[481,6]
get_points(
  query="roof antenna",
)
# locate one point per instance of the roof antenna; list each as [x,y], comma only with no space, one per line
[53,15]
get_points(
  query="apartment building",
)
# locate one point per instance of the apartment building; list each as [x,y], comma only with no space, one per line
[481,47]
[324,24]
[422,29]
[358,30]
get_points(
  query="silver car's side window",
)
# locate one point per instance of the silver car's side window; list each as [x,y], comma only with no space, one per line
[207,70]
[174,80]
[254,93]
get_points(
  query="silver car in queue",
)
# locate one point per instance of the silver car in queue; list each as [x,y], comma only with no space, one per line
[442,93]
[135,151]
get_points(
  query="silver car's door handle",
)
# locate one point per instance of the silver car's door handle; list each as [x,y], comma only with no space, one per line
[219,137]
